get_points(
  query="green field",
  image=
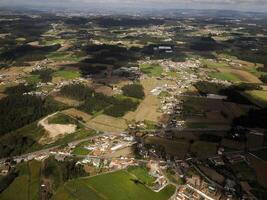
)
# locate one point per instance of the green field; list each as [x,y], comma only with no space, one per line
[80,151]
[118,185]
[258,97]
[226,76]
[26,185]
[200,148]
[151,69]
[67,74]
[142,174]
[63,56]
[211,64]
[33,79]
[60,118]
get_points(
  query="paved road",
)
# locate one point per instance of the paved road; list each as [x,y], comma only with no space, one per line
[47,150]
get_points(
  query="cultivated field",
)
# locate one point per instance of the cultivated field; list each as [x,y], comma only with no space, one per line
[147,110]
[177,148]
[114,186]
[107,124]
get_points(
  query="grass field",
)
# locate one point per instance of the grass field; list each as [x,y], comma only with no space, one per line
[200,148]
[258,97]
[118,185]
[142,174]
[60,118]
[26,185]
[67,74]
[235,75]
[64,56]
[151,69]
[227,76]
[33,79]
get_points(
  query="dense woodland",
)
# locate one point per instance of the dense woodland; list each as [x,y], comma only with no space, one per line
[134,90]
[97,102]
[20,110]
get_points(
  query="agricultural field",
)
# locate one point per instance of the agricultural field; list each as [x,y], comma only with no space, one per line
[107,123]
[258,97]
[115,185]
[151,69]
[177,148]
[27,184]
[203,149]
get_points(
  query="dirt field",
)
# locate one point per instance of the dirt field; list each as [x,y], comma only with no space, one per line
[103,89]
[107,124]
[126,152]
[147,110]
[77,113]
[55,130]
[212,174]
[67,101]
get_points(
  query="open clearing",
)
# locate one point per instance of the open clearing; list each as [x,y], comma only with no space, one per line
[55,130]
[147,110]
[67,101]
[114,186]
[107,124]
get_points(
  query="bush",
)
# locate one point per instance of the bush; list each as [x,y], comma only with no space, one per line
[134,90]
[263,78]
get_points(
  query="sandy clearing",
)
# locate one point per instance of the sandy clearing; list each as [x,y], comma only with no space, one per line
[55,130]
[108,124]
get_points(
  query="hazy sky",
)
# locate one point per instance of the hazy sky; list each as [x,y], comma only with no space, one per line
[252,5]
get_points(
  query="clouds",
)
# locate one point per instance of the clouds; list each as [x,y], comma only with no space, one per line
[255,5]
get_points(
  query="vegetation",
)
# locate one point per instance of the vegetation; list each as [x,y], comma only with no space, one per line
[45,75]
[20,110]
[142,175]
[134,90]
[151,70]
[67,74]
[97,102]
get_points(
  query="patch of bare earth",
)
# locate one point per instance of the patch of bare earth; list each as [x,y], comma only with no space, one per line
[54,131]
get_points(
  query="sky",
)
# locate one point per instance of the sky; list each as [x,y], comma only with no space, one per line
[244,5]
